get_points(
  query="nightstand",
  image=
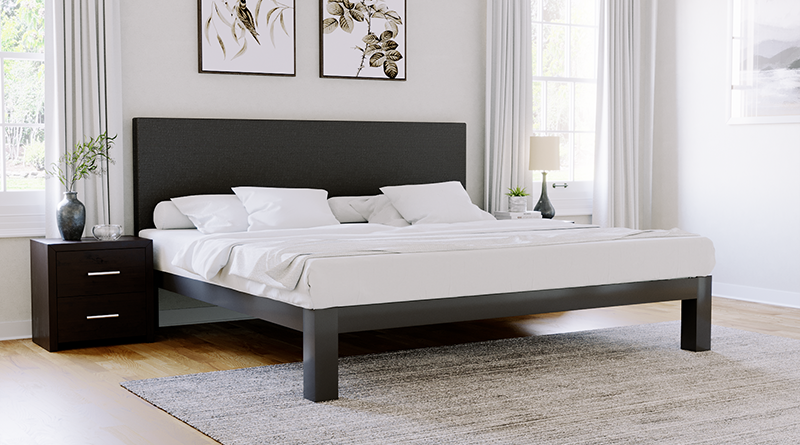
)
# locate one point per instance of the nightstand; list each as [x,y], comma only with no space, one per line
[92,292]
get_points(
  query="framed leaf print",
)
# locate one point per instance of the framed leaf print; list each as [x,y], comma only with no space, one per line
[247,37]
[363,39]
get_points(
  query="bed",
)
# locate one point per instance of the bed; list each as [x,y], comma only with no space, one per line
[183,157]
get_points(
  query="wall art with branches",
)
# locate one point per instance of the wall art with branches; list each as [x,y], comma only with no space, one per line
[247,36]
[363,39]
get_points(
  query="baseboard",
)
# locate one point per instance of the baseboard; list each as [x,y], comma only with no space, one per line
[15,330]
[198,315]
[757,294]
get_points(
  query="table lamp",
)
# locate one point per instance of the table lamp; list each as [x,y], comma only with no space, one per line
[545,156]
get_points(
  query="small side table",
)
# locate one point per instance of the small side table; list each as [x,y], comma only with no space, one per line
[89,292]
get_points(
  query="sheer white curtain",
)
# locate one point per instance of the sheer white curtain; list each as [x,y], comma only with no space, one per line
[83,90]
[626,87]
[508,99]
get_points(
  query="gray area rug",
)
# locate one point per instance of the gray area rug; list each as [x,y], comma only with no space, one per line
[620,385]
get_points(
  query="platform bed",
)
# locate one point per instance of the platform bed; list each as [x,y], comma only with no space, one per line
[180,157]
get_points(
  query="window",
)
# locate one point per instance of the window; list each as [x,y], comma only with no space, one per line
[564,42]
[22,175]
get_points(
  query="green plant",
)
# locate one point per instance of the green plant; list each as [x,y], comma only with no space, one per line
[34,155]
[84,160]
[517,191]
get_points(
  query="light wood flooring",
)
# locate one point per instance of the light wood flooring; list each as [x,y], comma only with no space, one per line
[74,397]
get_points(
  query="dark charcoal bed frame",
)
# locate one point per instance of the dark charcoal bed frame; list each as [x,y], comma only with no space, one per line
[178,157]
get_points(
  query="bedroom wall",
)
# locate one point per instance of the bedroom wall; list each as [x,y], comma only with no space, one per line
[160,78]
[159,58]
[737,184]
[15,290]
[446,72]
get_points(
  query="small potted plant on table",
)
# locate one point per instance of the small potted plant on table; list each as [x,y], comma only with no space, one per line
[517,199]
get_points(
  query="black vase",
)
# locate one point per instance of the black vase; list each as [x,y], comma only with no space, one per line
[71,217]
[544,205]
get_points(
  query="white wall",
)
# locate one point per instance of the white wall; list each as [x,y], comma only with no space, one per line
[160,78]
[445,59]
[15,288]
[737,184]
[445,71]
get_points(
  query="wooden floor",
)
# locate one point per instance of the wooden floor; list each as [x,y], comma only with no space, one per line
[74,397]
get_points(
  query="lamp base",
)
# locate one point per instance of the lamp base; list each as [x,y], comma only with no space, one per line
[544,206]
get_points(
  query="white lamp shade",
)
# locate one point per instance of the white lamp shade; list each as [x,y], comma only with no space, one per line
[544,153]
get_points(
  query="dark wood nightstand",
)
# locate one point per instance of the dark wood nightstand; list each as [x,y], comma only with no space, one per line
[92,292]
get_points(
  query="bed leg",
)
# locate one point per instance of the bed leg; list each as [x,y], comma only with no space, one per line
[696,318]
[321,354]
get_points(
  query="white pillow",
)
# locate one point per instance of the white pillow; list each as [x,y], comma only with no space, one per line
[340,206]
[214,213]
[285,208]
[442,202]
[379,210]
[167,216]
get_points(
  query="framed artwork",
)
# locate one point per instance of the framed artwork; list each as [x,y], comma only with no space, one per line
[764,61]
[247,37]
[363,39]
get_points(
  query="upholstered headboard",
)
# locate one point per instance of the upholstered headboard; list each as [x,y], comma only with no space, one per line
[178,157]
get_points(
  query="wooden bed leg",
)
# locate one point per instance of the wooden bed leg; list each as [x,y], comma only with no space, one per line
[696,318]
[321,354]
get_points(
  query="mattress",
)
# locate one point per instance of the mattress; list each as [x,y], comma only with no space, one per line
[372,279]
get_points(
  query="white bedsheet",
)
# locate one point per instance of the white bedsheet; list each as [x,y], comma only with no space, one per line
[366,274]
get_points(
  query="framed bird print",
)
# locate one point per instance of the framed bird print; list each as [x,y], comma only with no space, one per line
[247,37]
[363,39]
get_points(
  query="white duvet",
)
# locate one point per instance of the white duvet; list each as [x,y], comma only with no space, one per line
[277,258]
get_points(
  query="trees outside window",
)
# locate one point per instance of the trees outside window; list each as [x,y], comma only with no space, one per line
[22,90]
[564,42]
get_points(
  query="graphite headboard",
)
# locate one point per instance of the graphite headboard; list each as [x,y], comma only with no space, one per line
[179,157]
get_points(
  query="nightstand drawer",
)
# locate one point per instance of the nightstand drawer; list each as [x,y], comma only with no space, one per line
[94,272]
[102,317]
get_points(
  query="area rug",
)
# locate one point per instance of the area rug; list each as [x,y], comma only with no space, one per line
[622,385]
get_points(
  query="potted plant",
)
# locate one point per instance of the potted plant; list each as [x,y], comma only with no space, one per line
[85,159]
[517,199]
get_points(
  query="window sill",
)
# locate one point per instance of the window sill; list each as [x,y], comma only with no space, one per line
[21,233]
[572,206]
[574,200]
[22,214]
[17,226]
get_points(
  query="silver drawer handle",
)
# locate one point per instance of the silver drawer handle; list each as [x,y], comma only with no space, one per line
[110,272]
[95,317]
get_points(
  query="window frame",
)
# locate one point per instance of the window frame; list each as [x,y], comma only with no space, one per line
[22,212]
[570,197]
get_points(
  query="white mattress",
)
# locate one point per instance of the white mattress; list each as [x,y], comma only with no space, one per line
[358,280]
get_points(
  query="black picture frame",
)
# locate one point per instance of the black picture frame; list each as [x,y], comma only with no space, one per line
[240,37]
[359,40]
